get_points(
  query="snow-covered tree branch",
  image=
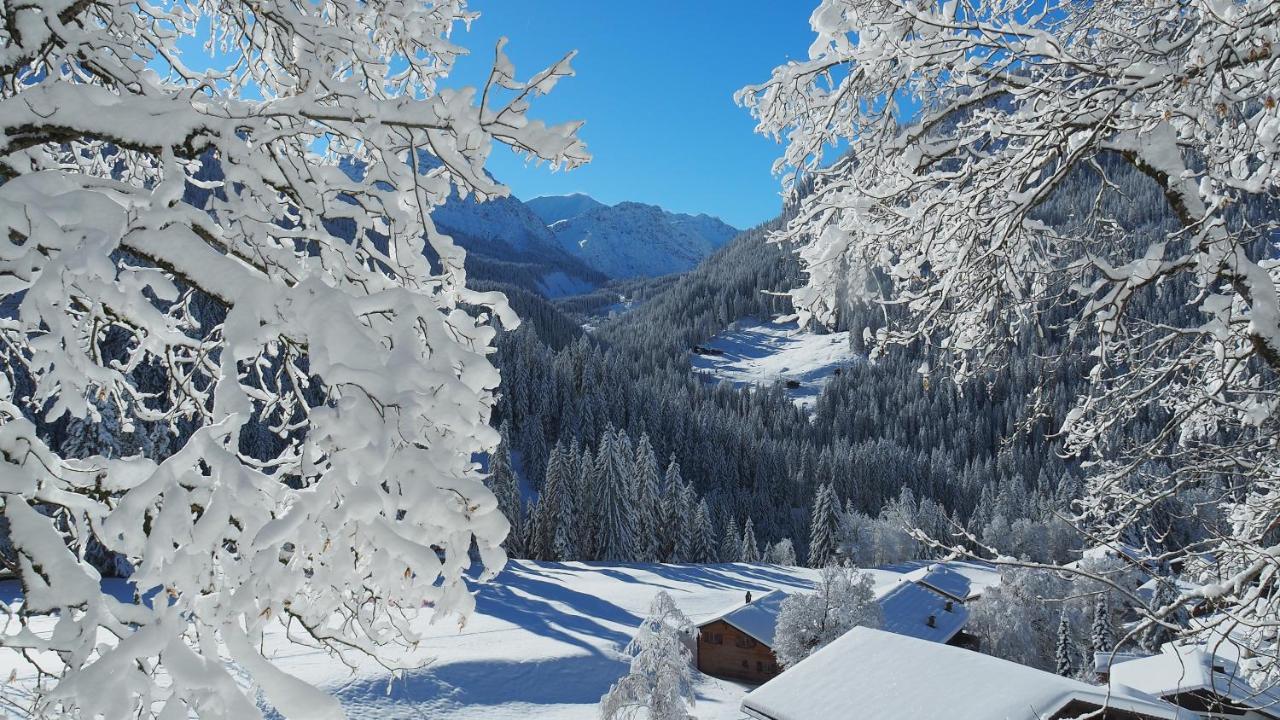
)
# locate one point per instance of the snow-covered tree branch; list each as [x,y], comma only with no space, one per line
[962,120]
[239,236]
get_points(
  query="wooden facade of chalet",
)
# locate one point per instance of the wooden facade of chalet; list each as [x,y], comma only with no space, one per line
[727,652]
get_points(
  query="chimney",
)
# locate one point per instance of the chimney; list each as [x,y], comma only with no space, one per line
[932,621]
[948,606]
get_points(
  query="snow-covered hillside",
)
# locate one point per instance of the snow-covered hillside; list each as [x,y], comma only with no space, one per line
[545,642]
[754,353]
[633,239]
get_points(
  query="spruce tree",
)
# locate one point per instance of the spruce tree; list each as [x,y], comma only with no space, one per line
[675,533]
[546,520]
[617,508]
[648,503]
[750,551]
[704,536]
[1102,634]
[731,542]
[1066,665]
[506,488]
[822,528]
[1157,634]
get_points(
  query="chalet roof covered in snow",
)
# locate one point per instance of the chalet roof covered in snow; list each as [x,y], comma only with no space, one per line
[875,675]
[943,579]
[1179,669]
[908,606]
[757,618]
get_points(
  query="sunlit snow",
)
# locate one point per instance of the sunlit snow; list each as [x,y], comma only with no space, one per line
[758,353]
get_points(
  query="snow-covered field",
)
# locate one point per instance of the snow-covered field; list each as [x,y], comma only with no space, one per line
[545,642]
[761,353]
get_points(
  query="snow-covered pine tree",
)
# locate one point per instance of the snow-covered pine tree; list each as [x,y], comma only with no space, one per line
[587,501]
[545,523]
[1164,598]
[659,685]
[822,528]
[645,483]
[687,525]
[1065,657]
[673,526]
[750,551]
[618,539]
[1102,636]
[703,548]
[505,485]
[730,542]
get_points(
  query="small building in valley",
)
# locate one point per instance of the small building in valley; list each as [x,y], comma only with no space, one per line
[880,675]
[738,644]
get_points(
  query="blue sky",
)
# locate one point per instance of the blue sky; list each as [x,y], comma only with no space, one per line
[655,84]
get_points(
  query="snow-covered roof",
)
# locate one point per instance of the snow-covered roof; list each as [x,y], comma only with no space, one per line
[1147,590]
[875,675]
[1180,669]
[942,578]
[757,618]
[907,607]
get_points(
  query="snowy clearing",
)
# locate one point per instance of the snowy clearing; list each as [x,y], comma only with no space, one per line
[545,642]
[758,353]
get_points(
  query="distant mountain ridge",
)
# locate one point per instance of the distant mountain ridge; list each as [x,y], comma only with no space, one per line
[631,239]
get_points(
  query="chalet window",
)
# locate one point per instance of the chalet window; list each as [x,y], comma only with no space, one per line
[745,666]
[745,642]
[759,666]
[717,639]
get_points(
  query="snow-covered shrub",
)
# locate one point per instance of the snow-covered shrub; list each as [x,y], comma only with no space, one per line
[247,223]
[659,685]
[844,599]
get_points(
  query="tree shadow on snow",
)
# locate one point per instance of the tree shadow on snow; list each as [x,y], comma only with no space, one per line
[551,681]
[730,577]
[538,616]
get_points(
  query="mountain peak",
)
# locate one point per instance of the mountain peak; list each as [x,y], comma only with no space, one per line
[554,208]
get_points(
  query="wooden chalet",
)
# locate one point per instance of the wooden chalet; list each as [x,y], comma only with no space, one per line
[738,644]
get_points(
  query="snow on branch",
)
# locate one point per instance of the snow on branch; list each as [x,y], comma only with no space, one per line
[967,127]
[236,250]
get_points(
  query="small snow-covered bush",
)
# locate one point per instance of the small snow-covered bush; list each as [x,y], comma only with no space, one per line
[660,683]
[808,621]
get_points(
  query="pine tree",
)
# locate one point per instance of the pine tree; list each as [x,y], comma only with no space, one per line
[703,537]
[673,529]
[1157,634]
[546,521]
[648,503]
[822,528]
[506,488]
[617,511]
[1066,665]
[731,542]
[587,498]
[1102,634]
[687,541]
[750,551]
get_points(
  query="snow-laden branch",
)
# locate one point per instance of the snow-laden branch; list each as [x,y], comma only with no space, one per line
[963,121]
[233,244]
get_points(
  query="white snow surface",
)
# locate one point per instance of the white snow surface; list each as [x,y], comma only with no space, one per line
[876,675]
[545,641]
[757,353]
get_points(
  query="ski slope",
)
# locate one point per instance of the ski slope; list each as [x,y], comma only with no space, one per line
[758,353]
[545,641]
